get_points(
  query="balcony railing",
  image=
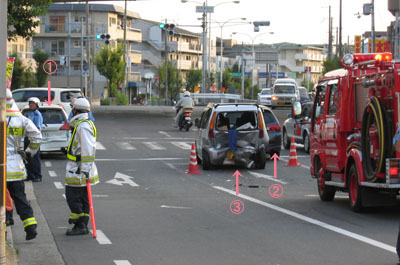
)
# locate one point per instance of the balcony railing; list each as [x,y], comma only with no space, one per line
[62,28]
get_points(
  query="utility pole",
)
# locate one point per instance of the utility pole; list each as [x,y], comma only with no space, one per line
[340,29]
[125,53]
[69,51]
[396,36]
[330,35]
[3,127]
[166,65]
[373,25]
[88,49]
[242,72]
[81,20]
[204,69]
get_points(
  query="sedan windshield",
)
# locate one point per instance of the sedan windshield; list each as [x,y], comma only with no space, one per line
[284,89]
[50,116]
[266,92]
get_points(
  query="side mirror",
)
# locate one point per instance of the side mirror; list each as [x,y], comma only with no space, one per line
[296,109]
[197,122]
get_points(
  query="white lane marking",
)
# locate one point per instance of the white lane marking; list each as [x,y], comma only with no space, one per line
[59,185]
[99,146]
[52,174]
[125,146]
[182,145]
[47,163]
[99,196]
[303,166]
[165,133]
[174,207]
[122,262]
[142,159]
[101,238]
[336,196]
[154,146]
[259,175]
[170,165]
[135,138]
[316,222]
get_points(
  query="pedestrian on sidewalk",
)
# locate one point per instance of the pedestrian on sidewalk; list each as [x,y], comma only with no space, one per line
[33,165]
[19,126]
[81,154]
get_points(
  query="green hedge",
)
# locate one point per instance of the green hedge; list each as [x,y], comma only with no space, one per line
[105,101]
[122,99]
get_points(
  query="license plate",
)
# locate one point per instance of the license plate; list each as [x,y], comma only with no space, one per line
[281,103]
[188,118]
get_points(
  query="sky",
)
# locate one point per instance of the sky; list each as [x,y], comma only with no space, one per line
[297,21]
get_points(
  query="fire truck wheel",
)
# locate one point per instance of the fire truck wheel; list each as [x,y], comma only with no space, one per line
[286,140]
[326,193]
[354,190]
[306,141]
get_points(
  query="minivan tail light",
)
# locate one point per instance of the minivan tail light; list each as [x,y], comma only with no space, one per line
[212,124]
[65,127]
[260,125]
[187,114]
[274,127]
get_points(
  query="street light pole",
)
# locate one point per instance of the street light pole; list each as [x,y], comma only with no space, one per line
[373,25]
[204,68]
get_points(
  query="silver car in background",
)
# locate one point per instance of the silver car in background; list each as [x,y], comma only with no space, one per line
[231,134]
[264,97]
[284,94]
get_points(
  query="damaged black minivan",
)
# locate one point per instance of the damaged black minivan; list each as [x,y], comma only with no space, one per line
[232,134]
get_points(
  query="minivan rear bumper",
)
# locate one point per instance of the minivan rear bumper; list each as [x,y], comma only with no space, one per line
[242,156]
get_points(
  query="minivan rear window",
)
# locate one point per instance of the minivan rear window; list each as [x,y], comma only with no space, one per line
[67,96]
[23,96]
[240,120]
[269,118]
[284,89]
[50,116]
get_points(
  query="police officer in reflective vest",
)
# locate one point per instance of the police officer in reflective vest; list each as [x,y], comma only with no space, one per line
[19,126]
[81,154]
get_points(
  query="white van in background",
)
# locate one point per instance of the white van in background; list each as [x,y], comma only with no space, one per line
[61,96]
[284,92]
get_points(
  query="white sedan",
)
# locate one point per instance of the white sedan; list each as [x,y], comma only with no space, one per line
[264,97]
[55,138]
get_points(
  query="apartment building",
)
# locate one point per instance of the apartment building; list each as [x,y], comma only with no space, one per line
[294,58]
[64,37]
[183,49]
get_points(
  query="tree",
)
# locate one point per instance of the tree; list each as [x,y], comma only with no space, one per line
[22,16]
[227,78]
[18,73]
[109,63]
[310,85]
[41,76]
[174,78]
[193,78]
[330,64]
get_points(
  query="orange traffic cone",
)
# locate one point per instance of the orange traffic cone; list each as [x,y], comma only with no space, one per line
[193,167]
[293,155]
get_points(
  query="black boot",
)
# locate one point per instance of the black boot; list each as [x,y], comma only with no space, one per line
[85,221]
[30,232]
[78,229]
[9,218]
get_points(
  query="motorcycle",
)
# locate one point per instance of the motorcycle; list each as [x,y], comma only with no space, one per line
[185,119]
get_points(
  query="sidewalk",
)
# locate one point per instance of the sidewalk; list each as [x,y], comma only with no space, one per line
[40,251]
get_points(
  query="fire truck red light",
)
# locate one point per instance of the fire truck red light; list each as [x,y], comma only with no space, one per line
[394,171]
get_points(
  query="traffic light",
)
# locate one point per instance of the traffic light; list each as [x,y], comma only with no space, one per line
[106,37]
[161,25]
[98,36]
[170,29]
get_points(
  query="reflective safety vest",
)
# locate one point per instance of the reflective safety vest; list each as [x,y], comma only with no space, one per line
[77,158]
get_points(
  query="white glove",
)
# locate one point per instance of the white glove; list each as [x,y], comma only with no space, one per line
[30,151]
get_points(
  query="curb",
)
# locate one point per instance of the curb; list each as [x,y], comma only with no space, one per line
[40,251]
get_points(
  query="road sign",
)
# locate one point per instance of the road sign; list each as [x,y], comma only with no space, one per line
[236,74]
[204,9]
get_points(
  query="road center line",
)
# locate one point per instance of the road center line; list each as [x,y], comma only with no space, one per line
[122,262]
[259,175]
[52,174]
[59,185]
[47,163]
[101,238]
[304,218]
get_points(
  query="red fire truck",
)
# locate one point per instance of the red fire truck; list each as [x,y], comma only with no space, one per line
[356,113]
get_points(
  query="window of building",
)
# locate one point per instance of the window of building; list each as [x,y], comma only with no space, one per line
[77,67]
[57,23]
[57,48]
[113,21]
[21,48]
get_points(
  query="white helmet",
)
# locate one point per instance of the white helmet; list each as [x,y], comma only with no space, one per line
[34,100]
[186,94]
[11,106]
[82,104]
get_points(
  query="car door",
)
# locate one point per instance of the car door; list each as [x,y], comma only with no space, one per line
[203,132]
[317,138]
[331,150]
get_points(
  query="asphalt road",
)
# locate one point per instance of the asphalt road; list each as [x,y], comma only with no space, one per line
[149,211]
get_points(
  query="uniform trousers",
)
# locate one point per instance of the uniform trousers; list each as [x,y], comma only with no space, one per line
[17,192]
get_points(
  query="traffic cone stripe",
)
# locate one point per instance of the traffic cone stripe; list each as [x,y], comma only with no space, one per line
[193,167]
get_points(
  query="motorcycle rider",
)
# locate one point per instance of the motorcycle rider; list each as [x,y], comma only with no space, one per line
[17,127]
[185,102]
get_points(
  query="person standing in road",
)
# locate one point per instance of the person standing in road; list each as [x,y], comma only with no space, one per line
[81,154]
[91,117]
[17,127]
[33,166]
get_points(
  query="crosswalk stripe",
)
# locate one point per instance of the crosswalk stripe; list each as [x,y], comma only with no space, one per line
[182,145]
[52,174]
[47,163]
[59,185]
[125,146]
[154,146]
[99,146]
